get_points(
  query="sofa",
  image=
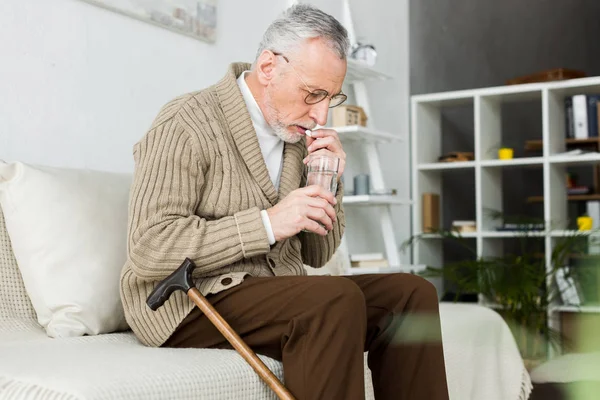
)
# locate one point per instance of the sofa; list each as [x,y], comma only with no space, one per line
[63,336]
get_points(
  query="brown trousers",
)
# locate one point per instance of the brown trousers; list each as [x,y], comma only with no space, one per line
[319,327]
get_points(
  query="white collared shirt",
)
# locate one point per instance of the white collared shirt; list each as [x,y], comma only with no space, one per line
[271,146]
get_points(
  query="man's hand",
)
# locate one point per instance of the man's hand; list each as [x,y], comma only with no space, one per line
[326,142]
[304,208]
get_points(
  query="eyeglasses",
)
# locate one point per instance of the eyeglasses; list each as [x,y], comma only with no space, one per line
[316,96]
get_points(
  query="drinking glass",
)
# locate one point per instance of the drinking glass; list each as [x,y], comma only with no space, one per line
[322,171]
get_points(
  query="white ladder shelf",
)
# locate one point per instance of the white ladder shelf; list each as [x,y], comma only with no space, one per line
[358,73]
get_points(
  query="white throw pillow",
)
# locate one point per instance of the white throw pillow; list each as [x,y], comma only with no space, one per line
[68,229]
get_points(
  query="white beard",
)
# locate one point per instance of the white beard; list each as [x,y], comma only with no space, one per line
[279,127]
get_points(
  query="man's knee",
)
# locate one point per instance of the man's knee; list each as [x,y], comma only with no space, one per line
[419,289]
[342,298]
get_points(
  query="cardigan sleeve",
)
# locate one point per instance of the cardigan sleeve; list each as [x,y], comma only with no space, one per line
[163,226]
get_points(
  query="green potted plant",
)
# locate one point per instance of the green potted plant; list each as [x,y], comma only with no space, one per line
[517,283]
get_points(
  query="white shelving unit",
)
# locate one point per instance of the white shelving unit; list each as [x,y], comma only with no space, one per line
[357,76]
[486,104]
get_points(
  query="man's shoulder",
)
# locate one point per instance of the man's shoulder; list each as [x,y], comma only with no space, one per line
[205,98]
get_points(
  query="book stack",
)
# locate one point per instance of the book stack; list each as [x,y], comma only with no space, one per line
[368,260]
[582,116]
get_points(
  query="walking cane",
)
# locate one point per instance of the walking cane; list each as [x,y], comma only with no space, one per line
[181,279]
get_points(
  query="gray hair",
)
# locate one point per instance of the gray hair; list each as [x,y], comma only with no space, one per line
[301,22]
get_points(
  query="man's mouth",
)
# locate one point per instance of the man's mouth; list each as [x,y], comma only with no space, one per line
[300,129]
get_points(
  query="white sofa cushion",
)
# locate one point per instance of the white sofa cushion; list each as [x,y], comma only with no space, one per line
[68,231]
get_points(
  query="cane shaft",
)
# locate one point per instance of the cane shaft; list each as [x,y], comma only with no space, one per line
[236,341]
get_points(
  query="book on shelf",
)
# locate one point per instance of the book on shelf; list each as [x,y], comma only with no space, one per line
[575,190]
[521,227]
[592,209]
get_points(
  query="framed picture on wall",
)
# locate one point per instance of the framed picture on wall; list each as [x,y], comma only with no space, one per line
[195,18]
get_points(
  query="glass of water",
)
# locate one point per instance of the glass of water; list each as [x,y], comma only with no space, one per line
[323,171]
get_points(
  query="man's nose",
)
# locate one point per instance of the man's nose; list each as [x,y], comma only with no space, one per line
[318,112]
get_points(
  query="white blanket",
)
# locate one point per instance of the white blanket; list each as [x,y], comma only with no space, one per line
[482,358]
[482,363]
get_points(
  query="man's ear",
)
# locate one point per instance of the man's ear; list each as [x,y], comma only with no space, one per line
[265,67]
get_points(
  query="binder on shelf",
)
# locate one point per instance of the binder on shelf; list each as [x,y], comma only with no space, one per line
[570,125]
[592,113]
[567,288]
[580,116]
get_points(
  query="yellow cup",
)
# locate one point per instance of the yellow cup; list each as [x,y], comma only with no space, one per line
[585,223]
[505,153]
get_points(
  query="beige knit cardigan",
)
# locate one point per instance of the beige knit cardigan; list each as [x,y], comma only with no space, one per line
[200,181]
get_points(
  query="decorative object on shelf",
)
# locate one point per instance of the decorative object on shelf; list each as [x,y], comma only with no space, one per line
[369,260]
[365,53]
[195,18]
[362,184]
[347,115]
[557,74]
[505,153]
[585,223]
[431,212]
[464,226]
[457,156]
[383,192]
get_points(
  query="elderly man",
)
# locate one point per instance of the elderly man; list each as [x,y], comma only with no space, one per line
[220,178]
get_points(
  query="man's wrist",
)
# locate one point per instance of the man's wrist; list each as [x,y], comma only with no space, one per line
[267,223]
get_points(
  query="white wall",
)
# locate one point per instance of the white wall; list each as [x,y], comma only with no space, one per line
[79,85]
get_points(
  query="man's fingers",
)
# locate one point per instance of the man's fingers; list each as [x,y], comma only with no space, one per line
[314,226]
[320,215]
[328,142]
[318,191]
[322,204]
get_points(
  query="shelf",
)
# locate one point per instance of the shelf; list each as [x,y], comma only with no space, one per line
[513,162]
[446,165]
[514,92]
[359,71]
[364,134]
[577,309]
[367,200]
[538,144]
[573,197]
[589,158]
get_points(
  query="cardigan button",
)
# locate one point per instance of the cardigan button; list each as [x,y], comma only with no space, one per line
[226,281]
